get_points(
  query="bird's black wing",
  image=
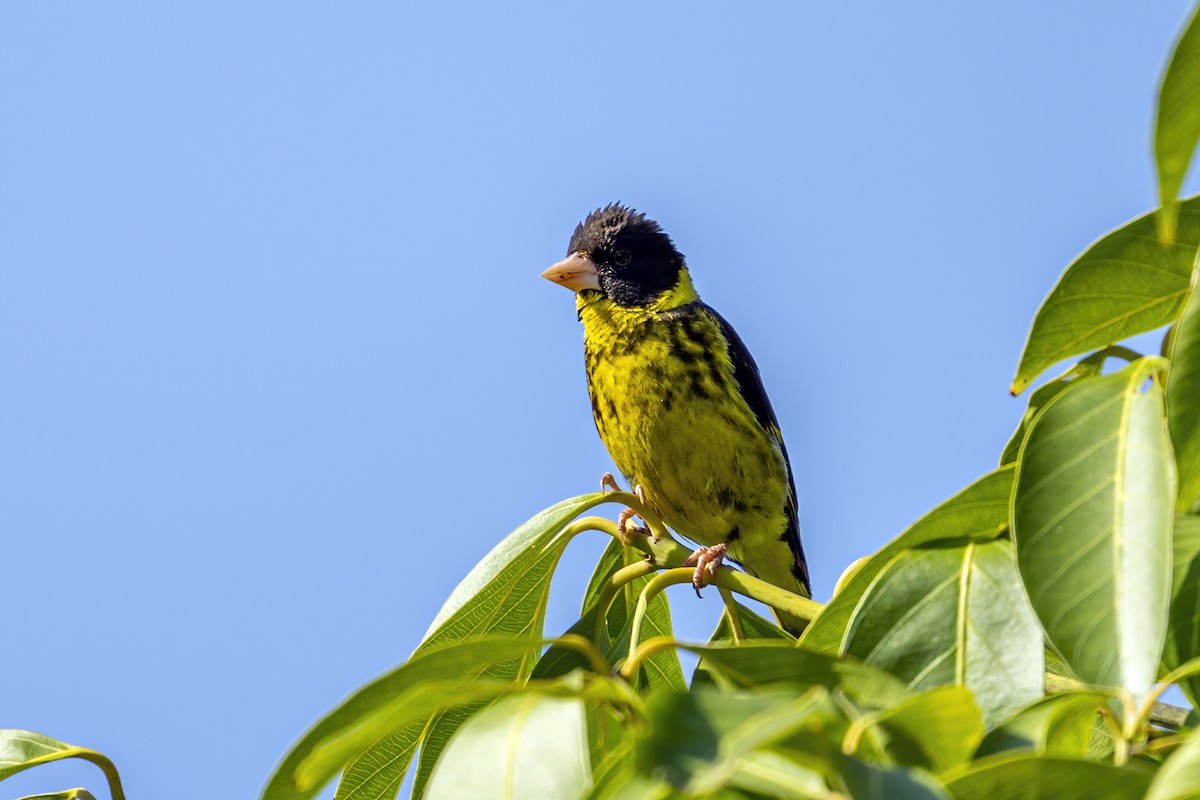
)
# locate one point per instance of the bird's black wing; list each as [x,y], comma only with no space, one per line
[745,372]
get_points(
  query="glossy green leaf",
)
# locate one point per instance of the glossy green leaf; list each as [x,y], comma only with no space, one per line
[751,627]
[377,773]
[660,669]
[21,750]
[1027,776]
[1183,628]
[506,591]
[1089,367]
[765,663]
[1183,398]
[767,774]
[1178,121]
[1127,282]
[1092,524]
[523,746]
[1179,776]
[505,594]
[953,615]
[977,513]
[1059,725]
[400,698]
[698,740]
[877,782]
[935,730]
[69,794]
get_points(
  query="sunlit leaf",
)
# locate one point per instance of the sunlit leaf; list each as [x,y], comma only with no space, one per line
[523,746]
[1183,631]
[1060,725]
[1183,396]
[1089,367]
[21,749]
[69,794]
[767,774]
[953,615]
[766,663]
[750,626]
[877,782]
[1179,776]
[1092,524]
[698,740]
[1028,776]
[1178,121]
[1127,282]
[377,773]
[935,730]
[661,668]
[977,513]
[505,594]
[399,698]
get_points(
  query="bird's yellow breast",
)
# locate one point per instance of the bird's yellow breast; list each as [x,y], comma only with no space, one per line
[669,410]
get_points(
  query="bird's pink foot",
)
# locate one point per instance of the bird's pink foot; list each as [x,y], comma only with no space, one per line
[608,483]
[706,559]
[627,531]
[624,529]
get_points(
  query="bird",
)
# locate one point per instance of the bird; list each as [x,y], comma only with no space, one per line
[679,402]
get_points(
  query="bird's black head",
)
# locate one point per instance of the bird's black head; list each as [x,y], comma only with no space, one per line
[635,261]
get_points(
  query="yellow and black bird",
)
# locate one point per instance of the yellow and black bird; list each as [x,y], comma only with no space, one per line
[678,400]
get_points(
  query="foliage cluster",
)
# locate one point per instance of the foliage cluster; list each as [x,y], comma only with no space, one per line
[1011,643]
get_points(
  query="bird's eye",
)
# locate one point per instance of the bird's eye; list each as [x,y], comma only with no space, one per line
[622,257]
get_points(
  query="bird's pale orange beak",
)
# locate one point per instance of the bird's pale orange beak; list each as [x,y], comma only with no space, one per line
[576,272]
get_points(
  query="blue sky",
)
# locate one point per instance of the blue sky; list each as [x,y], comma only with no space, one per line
[279,369]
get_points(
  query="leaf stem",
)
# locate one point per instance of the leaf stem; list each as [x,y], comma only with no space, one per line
[735,620]
[580,644]
[107,767]
[659,582]
[647,648]
[622,578]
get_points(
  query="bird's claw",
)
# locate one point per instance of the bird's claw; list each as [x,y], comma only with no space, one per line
[706,559]
[608,483]
[625,531]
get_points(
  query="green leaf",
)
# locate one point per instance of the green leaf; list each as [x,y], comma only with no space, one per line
[1127,282]
[767,774]
[69,794]
[877,782]
[398,699]
[1179,776]
[611,560]
[1183,397]
[1183,629]
[697,741]
[752,627]
[977,513]
[934,730]
[661,668]
[21,749]
[1092,524]
[1089,367]
[504,594]
[1178,124]
[1026,776]
[1060,725]
[953,615]
[762,663]
[377,773]
[522,746]
[506,591]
